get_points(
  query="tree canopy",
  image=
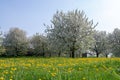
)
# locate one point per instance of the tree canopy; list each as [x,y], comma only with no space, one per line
[15,42]
[72,31]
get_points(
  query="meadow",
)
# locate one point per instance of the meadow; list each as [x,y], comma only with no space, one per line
[59,68]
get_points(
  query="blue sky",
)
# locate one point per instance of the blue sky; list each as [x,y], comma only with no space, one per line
[30,15]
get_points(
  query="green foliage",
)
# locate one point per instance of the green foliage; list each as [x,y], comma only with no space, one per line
[59,69]
[114,40]
[39,44]
[15,42]
[2,50]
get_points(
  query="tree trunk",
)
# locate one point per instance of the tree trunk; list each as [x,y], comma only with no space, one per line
[106,55]
[59,54]
[70,54]
[73,53]
[50,54]
[43,54]
[97,54]
[73,50]
[43,51]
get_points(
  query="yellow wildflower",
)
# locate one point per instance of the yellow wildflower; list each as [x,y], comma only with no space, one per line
[84,78]
[1,78]
[53,74]
[13,69]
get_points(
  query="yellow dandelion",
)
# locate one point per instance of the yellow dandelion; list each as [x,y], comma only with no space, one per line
[53,74]
[1,78]
[97,69]
[5,72]
[84,78]
[13,69]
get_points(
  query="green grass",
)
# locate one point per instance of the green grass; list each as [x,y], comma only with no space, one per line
[59,69]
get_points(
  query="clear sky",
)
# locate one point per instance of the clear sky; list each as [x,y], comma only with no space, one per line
[30,15]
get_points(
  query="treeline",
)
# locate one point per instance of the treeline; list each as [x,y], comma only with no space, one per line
[70,35]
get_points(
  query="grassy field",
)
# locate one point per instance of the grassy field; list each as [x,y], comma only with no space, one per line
[59,69]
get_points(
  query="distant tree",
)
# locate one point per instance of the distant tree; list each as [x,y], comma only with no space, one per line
[2,49]
[108,45]
[101,45]
[55,46]
[114,39]
[39,44]
[70,31]
[15,42]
